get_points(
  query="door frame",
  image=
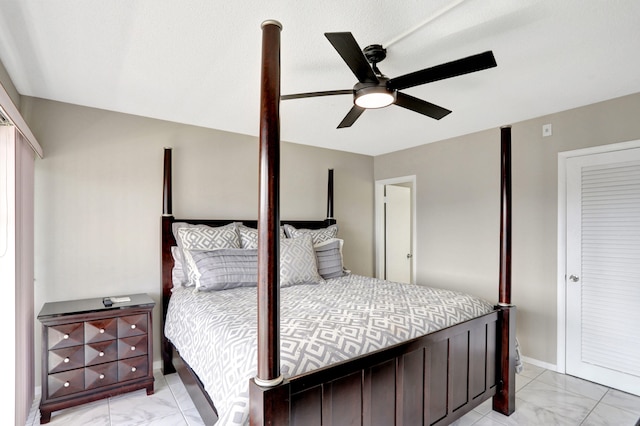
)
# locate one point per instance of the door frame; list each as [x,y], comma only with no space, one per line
[379,222]
[561,364]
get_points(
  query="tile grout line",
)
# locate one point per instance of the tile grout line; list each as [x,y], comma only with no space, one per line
[594,407]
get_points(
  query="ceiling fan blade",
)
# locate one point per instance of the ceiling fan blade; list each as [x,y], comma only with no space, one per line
[351,117]
[315,94]
[349,50]
[462,66]
[420,106]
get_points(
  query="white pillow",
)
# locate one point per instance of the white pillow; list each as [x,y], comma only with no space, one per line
[178,277]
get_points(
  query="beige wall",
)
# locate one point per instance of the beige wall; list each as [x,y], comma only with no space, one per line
[458,184]
[98,200]
[99,196]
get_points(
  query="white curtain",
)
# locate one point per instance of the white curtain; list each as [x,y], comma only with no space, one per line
[17,163]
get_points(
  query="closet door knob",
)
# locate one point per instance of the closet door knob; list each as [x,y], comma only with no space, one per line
[574,278]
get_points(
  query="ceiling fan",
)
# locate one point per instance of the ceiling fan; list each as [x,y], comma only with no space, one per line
[375,90]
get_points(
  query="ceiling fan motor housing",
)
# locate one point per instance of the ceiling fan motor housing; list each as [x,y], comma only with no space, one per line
[375,53]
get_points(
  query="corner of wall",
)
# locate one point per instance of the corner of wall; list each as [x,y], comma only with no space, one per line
[9,87]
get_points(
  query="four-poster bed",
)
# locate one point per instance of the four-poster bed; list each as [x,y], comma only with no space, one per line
[432,378]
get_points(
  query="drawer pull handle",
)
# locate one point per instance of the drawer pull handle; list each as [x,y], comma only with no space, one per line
[133,348]
[101,354]
[66,336]
[66,359]
[133,326]
[101,376]
[67,384]
[133,369]
[102,331]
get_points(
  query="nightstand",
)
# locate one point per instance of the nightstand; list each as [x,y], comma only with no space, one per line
[90,351]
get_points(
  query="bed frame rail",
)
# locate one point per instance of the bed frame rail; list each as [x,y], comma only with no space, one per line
[431,380]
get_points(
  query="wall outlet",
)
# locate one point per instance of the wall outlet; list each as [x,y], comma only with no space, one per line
[546,130]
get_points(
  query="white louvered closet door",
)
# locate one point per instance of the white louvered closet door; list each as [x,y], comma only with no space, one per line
[603,268]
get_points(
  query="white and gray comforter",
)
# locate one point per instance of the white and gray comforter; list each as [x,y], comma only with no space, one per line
[216,332]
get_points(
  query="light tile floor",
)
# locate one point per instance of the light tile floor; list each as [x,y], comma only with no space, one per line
[542,398]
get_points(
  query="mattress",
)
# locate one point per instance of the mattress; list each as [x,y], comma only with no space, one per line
[216,332]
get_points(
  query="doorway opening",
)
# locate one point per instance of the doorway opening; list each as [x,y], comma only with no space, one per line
[395,206]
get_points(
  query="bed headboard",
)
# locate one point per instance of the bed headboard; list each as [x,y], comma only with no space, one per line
[169,241]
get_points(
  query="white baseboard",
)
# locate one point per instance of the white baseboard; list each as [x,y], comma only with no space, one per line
[538,363]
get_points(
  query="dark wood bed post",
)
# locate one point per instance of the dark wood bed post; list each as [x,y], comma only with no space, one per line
[330,195]
[167,261]
[269,405]
[505,399]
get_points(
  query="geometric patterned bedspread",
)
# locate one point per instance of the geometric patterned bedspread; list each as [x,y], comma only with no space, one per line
[215,332]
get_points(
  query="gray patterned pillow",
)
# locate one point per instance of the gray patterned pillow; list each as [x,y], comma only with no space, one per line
[329,258]
[249,236]
[202,237]
[298,262]
[223,269]
[318,235]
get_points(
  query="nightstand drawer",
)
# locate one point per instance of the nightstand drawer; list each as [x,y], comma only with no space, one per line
[101,375]
[101,330]
[132,325]
[132,368]
[68,382]
[66,359]
[62,336]
[132,346]
[100,352]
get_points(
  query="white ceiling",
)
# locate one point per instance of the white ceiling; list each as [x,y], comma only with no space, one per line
[198,62]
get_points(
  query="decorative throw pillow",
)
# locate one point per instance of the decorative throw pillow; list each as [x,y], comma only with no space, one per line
[223,269]
[249,236]
[202,237]
[317,235]
[298,262]
[329,258]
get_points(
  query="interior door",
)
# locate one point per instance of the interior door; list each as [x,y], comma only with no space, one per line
[603,269]
[398,233]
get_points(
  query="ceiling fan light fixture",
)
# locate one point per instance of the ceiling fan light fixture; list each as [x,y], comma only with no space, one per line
[374,97]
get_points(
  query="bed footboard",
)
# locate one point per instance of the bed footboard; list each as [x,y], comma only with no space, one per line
[432,380]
